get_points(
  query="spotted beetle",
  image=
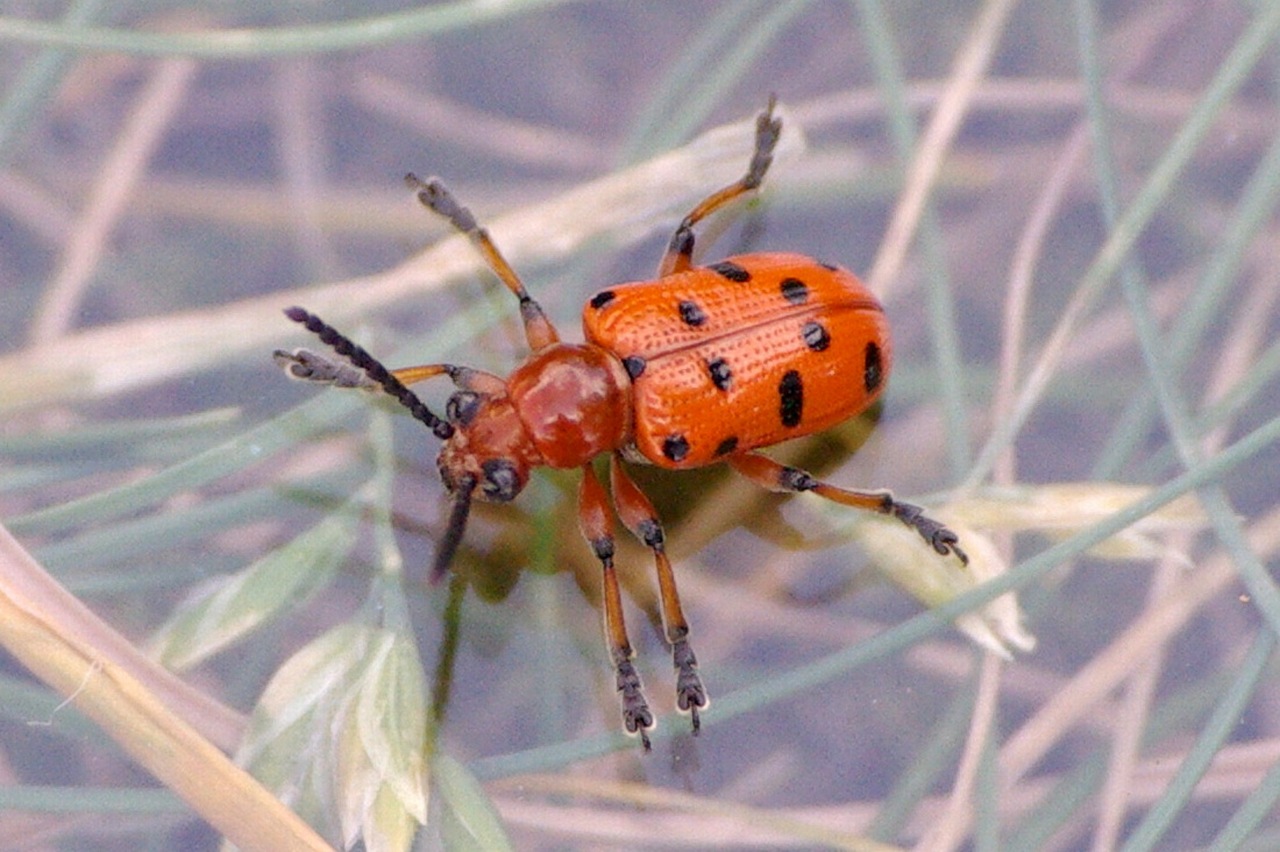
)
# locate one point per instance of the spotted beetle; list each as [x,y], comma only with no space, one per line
[700,365]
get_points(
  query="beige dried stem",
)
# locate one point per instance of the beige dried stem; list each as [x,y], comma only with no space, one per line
[129,355]
[65,645]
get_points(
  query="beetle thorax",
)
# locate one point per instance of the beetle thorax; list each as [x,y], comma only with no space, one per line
[574,401]
[561,408]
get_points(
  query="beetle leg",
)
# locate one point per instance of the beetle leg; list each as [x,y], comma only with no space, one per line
[435,196]
[307,366]
[637,515]
[464,378]
[300,366]
[597,528]
[769,474]
[679,254]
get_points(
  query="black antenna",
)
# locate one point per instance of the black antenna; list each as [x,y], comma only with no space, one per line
[374,369]
[463,488]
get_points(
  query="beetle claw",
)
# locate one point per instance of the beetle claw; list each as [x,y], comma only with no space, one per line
[942,539]
[690,693]
[637,718]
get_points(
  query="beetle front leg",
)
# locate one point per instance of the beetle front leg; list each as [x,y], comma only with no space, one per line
[769,474]
[463,378]
[637,515]
[308,366]
[593,518]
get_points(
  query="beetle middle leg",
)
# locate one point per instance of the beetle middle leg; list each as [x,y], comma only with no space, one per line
[679,254]
[597,527]
[637,515]
[436,197]
[769,474]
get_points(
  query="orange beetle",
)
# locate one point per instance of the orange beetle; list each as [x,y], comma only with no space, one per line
[700,365]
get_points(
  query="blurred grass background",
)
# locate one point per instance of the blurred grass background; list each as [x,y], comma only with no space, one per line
[1069,208]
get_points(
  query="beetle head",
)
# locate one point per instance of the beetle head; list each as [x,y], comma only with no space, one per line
[488,456]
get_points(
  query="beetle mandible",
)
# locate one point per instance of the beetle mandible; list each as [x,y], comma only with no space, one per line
[700,365]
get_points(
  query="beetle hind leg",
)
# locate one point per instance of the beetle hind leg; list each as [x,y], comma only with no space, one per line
[679,255]
[937,534]
[769,474]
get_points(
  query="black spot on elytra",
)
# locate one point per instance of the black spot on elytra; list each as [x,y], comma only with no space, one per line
[691,314]
[675,447]
[731,270]
[815,336]
[791,398]
[721,375]
[795,291]
[634,365]
[872,368]
[604,297]
[727,446]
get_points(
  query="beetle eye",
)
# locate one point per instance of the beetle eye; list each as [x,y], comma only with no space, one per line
[462,407]
[501,480]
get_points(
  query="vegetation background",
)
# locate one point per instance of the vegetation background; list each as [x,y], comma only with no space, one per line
[1069,209]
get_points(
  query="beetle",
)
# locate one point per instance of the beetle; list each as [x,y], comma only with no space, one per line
[703,364]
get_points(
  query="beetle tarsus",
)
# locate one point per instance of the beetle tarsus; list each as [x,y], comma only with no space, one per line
[307,366]
[637,718]
[768,129]
[942,539]
[690,693]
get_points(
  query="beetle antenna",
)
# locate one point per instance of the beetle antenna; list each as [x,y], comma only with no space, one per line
[373,368]
[463,489]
